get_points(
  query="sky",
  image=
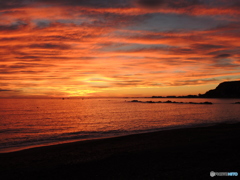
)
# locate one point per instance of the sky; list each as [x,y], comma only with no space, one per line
[117,48]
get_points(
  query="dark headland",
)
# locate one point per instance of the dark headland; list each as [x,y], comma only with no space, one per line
[228,89]
[190,153]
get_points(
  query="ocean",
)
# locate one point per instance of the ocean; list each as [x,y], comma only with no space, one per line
[26,123]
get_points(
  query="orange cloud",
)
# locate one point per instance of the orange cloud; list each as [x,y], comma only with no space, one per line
[53,48]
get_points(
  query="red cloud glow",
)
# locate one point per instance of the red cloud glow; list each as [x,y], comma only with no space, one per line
[84,50]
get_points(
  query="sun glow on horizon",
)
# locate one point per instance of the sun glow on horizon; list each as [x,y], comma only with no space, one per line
[120,48]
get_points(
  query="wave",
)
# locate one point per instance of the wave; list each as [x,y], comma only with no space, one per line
[24,142]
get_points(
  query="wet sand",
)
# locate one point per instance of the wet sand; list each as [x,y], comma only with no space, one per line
[189,153]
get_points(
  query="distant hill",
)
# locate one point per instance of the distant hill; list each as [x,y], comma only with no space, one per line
[229,89]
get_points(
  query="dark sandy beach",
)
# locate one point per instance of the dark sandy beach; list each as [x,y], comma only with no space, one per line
[189,153]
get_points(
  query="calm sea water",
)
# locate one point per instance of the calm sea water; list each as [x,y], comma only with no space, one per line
[26,123]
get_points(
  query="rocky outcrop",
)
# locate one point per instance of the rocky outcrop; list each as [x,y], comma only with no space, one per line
[171,102]
[230,89]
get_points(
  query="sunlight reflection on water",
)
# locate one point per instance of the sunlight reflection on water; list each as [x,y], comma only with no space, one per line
[27,122]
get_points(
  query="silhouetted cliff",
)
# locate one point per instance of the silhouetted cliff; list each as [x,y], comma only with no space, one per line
[230,89]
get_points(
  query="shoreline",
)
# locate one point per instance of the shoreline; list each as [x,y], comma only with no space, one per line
[139,132]
[189,152]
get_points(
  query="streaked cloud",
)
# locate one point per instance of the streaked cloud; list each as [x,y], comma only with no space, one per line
[99,47]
